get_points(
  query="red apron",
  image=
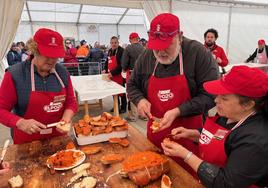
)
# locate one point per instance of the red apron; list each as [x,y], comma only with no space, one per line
[165,94]
[45,107]
[212,140]
[128,75]
[112,64]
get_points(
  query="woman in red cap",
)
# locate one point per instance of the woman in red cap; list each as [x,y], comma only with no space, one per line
[233,145]
[38,92]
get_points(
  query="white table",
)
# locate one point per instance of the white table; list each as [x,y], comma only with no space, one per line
[263,67]
[93,87]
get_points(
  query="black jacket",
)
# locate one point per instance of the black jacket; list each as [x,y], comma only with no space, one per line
[130,55]
[252,57]
[247,152]
[119,54]
[13,57]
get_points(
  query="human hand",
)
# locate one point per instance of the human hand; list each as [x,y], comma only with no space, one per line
[64,127]
[30,126]
[172,148]
[144,108]
[168,118]
[218,60]
[103,72]
[110,75]
[182,132]
[124,74]
[4,168]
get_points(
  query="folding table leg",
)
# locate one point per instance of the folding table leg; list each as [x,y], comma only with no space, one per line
[86,108]
[116,109]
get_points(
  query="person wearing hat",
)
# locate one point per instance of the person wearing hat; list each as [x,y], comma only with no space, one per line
[38,92]
[130,55]
[167,81]
[210,36]
[233,145]
[260,55]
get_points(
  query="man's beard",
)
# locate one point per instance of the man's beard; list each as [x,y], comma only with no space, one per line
[167,60]
[210,44]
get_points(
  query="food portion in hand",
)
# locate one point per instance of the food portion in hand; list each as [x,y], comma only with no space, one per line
[165,182]
[105,123]
[16,181]
[143,167]
[91,149]
[64,126]
[81,168]
[70,145]
[155,125]
[121,141]
[112,158]
[64,158]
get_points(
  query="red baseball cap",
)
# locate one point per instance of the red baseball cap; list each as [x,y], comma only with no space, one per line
[167,24]
[49,43]
[261,42]
[241,80]
[134,35]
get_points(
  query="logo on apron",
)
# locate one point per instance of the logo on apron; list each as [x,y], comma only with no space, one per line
[59,98]
[205,137]
[53,107]
[165,95]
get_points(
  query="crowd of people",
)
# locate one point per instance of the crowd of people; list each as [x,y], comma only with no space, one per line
[171,78]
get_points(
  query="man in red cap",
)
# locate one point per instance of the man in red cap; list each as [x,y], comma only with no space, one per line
[167,81]
[130,55]
[261,53]
[38,92]
[210,36]
[233,144]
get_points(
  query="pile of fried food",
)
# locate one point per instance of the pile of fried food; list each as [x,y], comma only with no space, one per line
[143,167]
[105,123]
[64,158]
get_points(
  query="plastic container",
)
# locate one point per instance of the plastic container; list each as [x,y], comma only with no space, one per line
[85,140]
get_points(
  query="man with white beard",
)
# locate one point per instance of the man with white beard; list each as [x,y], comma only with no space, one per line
[167,82]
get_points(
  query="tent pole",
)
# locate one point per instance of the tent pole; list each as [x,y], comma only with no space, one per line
[170,6]
[229,29]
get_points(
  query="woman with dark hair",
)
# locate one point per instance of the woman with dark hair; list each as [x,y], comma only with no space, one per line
[233,145]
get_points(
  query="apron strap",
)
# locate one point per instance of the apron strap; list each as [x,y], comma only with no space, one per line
[32,77]
[58,77]
[52,71]
[180,61]
[243,120]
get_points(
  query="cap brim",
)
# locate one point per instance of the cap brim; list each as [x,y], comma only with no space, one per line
[216,88]
[52,52]
[158,44]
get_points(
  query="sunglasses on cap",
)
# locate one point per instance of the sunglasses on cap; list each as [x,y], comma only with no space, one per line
[161,35]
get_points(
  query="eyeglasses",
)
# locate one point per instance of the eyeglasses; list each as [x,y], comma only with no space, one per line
[161,35]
